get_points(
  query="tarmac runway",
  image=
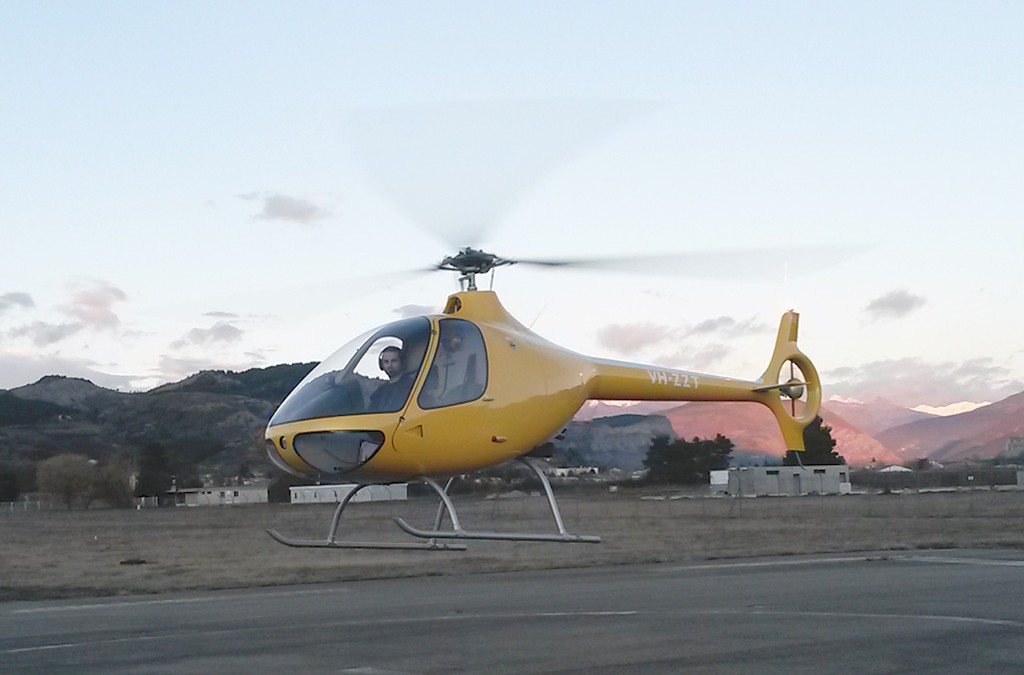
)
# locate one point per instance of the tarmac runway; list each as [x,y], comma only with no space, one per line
[919,612]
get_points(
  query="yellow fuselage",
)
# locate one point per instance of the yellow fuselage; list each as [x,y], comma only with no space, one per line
[533,389]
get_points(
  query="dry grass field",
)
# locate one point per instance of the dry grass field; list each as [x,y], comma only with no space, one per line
[53,554]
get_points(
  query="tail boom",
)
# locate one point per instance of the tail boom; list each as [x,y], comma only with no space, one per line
[625,381]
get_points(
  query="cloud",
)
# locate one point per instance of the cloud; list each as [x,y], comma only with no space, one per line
[912,381]
[406,311]
[174,368]
[700,358]
[221,315]
[283,207]
[12,300]
[632,337]
[222,332]
[729,327]
[92,305]
[712,325]
[43,334]
[894,305]
[17,370]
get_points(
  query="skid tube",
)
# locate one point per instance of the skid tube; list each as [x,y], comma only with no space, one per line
[433,535]
[332,542]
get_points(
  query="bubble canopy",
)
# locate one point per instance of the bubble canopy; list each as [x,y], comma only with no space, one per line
[353,381]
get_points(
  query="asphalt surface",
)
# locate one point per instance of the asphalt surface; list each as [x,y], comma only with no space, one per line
[933,612]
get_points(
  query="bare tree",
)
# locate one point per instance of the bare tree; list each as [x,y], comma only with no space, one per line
[68,478]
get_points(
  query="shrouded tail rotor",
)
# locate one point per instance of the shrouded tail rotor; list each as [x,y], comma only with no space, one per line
[792,384]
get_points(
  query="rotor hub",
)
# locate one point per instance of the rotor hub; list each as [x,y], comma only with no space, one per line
[469,262]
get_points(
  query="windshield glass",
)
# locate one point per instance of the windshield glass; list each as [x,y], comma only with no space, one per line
[458,373]
[372,374]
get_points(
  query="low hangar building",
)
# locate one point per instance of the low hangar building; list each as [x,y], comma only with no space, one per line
[768,481]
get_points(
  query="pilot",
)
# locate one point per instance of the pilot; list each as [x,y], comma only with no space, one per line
[391,395]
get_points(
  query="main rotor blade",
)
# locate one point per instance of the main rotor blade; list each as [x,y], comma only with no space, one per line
[761,264]
[307,298]
[457,168]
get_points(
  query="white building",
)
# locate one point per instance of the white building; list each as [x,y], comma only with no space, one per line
[220,496]
[332,494]
[750,481]
[573,471]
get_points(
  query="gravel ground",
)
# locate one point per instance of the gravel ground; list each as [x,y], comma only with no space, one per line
[58,554]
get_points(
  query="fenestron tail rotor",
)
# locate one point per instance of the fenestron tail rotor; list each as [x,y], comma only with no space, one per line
[790,384]
[795,386]
[792,388]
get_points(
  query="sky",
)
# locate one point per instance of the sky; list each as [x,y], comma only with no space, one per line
[228,185]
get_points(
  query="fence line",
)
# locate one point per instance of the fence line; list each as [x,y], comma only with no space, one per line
[19,507]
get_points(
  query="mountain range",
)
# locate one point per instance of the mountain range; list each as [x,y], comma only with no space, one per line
[217,418]
[212,418]
[873,432]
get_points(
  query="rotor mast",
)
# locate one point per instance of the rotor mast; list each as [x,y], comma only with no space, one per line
[470,262]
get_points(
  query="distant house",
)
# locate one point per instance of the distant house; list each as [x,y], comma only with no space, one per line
[220,496]
[330,494]
[768,481]
[894,468]
[572,471]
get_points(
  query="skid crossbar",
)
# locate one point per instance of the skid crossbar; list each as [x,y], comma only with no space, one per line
[457,532]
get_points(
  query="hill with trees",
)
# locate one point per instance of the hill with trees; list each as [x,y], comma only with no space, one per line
[211,422]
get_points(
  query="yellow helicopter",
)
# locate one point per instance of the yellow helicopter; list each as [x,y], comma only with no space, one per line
[433,397]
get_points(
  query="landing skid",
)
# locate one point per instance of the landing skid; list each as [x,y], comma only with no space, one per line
[433,535]
[332,542]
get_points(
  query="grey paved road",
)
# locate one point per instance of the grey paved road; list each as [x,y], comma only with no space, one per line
[928,612]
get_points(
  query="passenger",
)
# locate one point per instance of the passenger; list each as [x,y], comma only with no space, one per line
[456,371]
[391,395]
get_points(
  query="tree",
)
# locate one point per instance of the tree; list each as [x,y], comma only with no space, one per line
[659,461]
[8,483]
[113,485]
[69,478]
[686,462]
[25,473]
[279,490]
[819,447]
[187,476]
[154,472]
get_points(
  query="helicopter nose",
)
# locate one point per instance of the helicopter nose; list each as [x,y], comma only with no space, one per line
[337,452]
[274,455]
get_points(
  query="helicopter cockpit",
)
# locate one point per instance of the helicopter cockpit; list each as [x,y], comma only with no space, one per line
[375,372]
[352,380]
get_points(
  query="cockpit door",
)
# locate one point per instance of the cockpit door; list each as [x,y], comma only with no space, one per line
[450,408]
